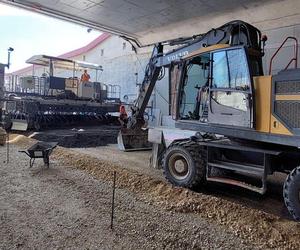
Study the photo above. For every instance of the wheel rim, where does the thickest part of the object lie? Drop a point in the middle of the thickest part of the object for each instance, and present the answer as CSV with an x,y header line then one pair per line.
x,y
178,166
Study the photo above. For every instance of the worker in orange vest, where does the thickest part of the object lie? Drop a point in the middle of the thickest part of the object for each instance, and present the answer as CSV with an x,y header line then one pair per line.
x,y
85,77
123,117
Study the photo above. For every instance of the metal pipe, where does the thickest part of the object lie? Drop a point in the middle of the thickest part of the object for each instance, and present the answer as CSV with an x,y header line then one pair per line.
x,y
51,68
7,147
113,202
10,49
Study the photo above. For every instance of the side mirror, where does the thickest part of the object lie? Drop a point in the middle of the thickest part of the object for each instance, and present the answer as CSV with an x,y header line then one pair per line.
x,y
264,39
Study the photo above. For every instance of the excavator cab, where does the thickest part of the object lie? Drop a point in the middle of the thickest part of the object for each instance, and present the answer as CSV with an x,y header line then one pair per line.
x,y
216,87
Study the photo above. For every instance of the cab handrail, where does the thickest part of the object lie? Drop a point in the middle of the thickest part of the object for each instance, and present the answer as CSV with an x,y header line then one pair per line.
x,y
295,58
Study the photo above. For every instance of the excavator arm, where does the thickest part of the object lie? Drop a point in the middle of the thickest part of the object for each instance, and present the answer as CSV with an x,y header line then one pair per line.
x,y
233,33
136,120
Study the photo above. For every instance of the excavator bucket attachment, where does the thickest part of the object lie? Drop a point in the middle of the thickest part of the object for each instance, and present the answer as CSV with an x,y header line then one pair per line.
x,y
133,140
19,125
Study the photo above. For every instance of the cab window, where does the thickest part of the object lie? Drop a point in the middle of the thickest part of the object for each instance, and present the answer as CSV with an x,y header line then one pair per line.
x,y
230,78
220,70
230,70
195,83
238,69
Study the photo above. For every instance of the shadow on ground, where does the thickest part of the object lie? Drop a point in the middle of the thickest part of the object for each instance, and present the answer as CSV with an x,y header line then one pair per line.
x,y
80,137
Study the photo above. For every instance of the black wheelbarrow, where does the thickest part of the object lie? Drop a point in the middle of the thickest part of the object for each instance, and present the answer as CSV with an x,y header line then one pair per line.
x,y
41,150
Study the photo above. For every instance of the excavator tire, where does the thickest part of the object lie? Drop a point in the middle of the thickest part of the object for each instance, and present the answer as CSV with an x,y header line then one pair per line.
x,y
184,164
291,193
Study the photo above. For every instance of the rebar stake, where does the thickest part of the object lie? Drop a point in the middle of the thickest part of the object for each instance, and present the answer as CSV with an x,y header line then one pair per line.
x,y
7,147
113,202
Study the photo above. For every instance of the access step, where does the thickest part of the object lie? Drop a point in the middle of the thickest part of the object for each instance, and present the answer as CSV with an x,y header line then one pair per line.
x,y
252,169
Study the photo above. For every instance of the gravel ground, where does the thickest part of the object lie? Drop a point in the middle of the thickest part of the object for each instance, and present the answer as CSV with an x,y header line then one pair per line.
x,y
65,207
136,161
240,213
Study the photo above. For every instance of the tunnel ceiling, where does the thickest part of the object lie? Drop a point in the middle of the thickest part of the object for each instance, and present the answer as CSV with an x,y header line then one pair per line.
x,y
156,20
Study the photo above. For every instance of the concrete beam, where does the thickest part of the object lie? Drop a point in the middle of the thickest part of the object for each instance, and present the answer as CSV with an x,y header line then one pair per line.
x,y
157,20
267,15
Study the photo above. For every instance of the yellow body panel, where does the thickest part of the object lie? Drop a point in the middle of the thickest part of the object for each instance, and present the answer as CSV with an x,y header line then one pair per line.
x,y
287,97
278,128
265,121
206,49
262,86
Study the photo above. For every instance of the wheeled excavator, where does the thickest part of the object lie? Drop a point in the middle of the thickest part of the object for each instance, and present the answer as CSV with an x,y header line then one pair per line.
x,y
231,123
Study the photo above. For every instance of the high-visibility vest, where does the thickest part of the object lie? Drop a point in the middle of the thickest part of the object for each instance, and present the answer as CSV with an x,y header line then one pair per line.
x,y
123,113
85,77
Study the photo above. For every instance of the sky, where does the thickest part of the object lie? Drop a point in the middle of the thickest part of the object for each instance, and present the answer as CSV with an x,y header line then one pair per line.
x,y
31,34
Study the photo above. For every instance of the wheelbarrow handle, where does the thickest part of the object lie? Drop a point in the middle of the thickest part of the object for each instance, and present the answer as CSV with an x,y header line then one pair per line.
x,y
25,152
51,148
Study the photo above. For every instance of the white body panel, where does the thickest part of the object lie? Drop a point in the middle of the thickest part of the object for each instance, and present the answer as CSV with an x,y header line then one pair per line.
x,y
168,135
86,90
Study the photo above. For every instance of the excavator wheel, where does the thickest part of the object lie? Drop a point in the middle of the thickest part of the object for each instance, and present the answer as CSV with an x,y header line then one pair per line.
x,y
184,164
291,193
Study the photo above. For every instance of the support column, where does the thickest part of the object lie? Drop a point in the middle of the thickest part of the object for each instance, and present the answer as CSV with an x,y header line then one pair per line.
x,y
2,131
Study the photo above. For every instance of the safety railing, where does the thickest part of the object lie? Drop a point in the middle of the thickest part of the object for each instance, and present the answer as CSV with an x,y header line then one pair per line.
x,y
37,86
295,58
114,91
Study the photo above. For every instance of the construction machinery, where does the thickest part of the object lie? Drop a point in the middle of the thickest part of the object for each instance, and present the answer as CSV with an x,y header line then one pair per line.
x,y
52,100
2,73
228,123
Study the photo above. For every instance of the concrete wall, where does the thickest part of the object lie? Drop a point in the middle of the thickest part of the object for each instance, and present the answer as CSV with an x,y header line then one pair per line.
x,y
198,17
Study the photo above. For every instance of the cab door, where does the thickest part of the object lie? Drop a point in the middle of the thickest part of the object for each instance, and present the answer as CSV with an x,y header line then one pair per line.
x,y
231,98
174,78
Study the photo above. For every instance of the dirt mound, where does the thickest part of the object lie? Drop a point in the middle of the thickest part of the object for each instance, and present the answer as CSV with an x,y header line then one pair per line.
x,y
21,140
263,229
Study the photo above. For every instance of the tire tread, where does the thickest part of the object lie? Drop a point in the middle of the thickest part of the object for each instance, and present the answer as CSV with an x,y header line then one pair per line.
x,y
198,155
291,179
